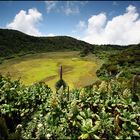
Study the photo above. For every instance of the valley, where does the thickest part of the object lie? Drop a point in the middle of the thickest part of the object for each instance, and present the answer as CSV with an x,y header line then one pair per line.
x,y
77,71
34,106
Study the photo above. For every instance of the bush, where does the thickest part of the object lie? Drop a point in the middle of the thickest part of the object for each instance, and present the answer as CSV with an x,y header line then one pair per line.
x,y
60,83
35,112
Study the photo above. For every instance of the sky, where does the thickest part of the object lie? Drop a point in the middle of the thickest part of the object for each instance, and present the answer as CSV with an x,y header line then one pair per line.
x,y
96,22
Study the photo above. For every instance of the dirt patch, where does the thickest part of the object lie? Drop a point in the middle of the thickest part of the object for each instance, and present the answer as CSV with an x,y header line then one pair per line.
x,y
66,69
48,78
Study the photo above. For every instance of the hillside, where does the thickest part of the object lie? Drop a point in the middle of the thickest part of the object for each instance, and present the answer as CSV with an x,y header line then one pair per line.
x,y
126,63
15,42
107,109
124,59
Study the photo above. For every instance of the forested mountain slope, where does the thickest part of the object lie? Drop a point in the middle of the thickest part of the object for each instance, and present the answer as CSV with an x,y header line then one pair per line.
x,y
15,42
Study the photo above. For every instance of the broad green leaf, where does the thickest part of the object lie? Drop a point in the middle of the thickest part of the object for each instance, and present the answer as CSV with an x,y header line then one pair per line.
x,y
79,117
84,136
136,133
135,124
96,137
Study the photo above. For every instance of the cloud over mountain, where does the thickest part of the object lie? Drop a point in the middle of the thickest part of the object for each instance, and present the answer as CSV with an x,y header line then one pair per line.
x,y
122,29
26,22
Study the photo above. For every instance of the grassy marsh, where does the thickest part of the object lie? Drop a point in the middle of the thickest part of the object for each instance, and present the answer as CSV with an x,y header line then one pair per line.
x,y
77,71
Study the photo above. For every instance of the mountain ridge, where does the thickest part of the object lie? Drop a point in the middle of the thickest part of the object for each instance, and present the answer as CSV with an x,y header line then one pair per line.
x,y
13,42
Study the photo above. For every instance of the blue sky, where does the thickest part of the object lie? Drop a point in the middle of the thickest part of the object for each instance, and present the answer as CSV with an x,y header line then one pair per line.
x,y
97,22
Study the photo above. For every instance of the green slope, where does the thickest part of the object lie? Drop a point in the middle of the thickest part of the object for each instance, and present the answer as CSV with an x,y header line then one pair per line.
x,y
15,42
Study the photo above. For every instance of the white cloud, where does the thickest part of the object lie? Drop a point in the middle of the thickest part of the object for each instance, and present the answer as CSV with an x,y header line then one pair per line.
x,y
96,22
123,29
51,35
131,9
79,28
81,25
26,22
71,8
66,7
50,5
70,11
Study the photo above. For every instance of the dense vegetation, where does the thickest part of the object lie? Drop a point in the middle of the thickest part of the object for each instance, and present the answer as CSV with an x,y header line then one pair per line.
x,y
124,63
108,111
13,43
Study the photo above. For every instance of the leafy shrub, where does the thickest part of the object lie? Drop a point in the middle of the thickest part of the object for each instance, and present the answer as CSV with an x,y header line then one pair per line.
x,y
60,83
106,112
